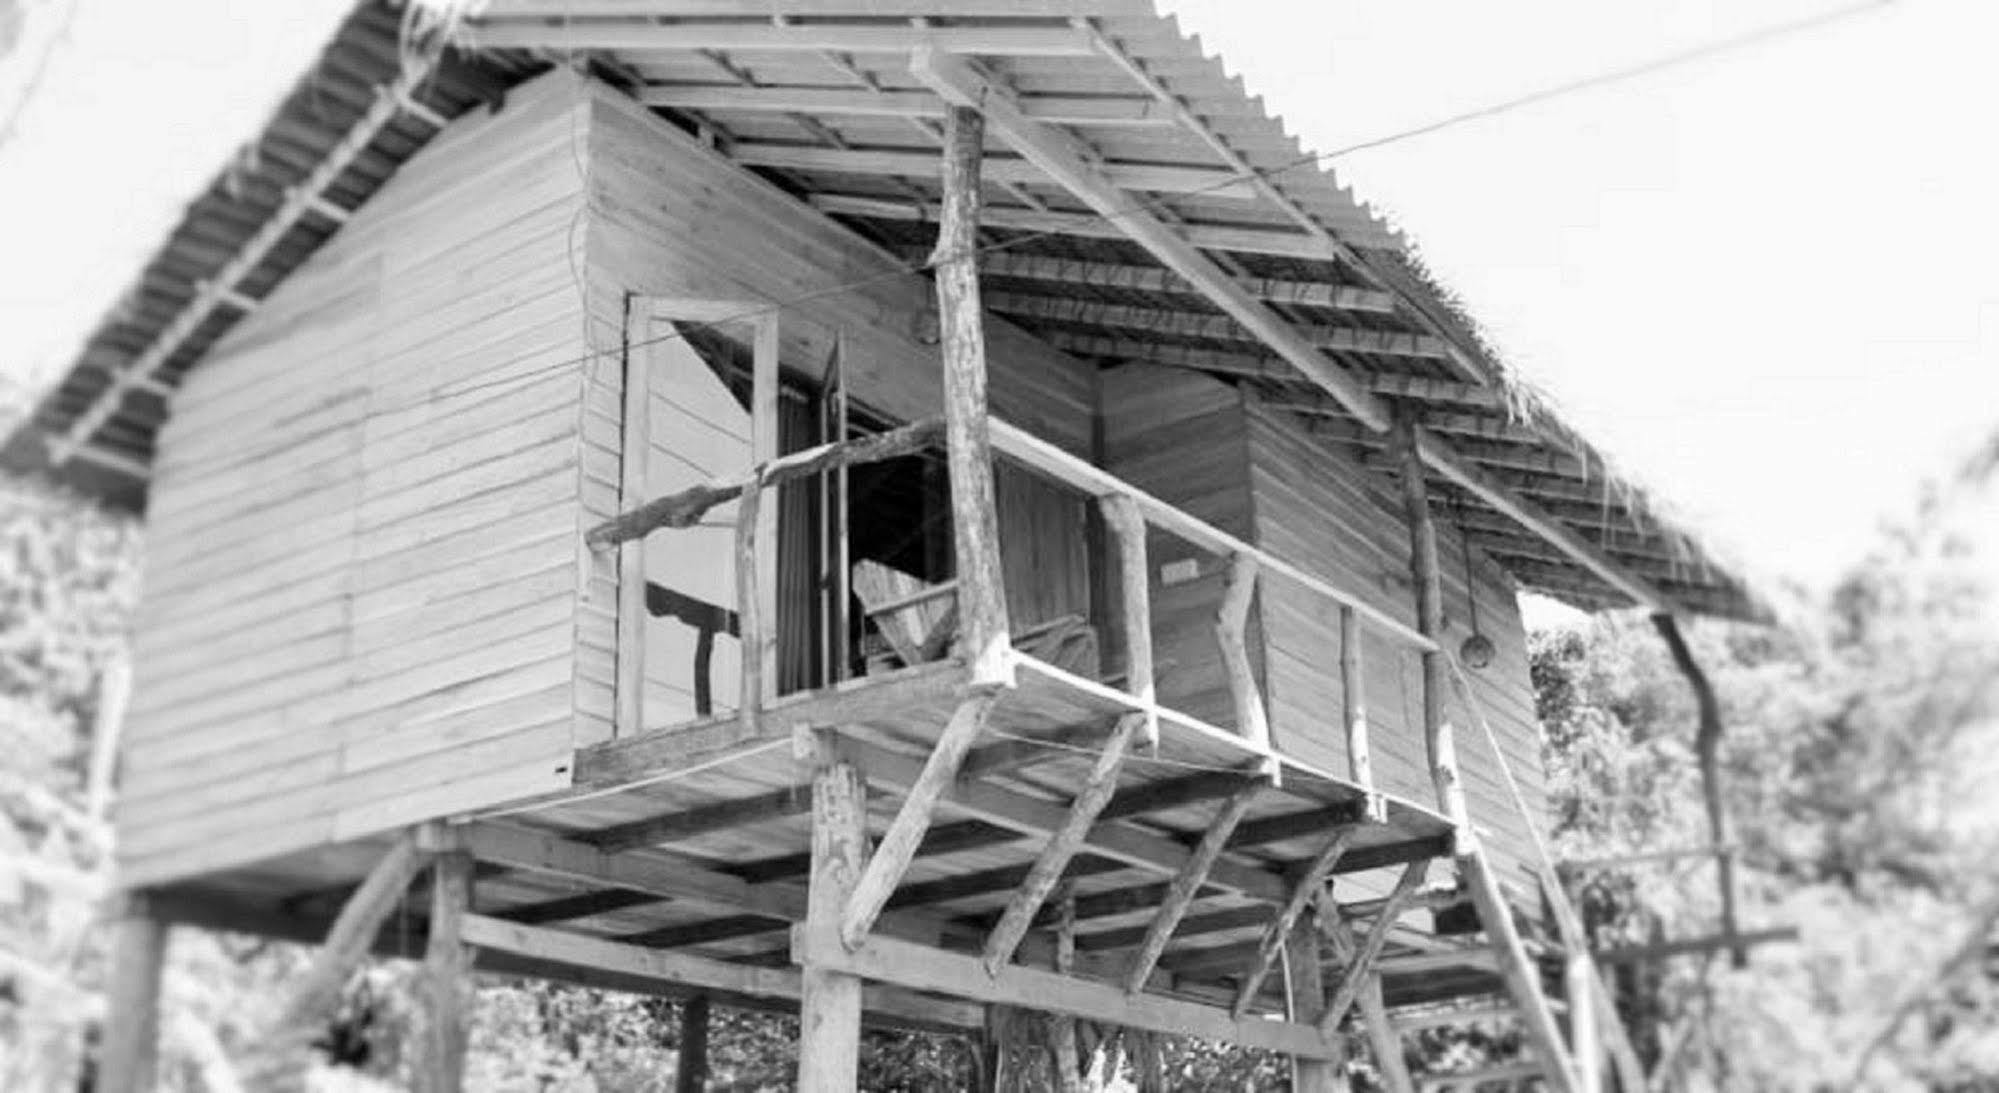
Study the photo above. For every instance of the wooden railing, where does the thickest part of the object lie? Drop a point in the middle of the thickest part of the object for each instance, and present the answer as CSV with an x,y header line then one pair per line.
x,y
1129,512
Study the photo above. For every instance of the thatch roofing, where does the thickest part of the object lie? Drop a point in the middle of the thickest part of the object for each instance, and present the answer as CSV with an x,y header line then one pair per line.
x,y
817,95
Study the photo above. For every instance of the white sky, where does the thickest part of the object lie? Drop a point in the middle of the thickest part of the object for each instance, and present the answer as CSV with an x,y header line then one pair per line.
x,y
1765,282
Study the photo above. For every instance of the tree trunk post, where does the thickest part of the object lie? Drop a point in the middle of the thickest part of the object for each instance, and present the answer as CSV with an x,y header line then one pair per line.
x,y
128,1057
447,969
1707,747
1428,574
1305,995
829,1016
691,1075
968,449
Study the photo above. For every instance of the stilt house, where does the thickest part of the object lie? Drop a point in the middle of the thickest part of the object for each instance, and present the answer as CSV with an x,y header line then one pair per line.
x,y
887,507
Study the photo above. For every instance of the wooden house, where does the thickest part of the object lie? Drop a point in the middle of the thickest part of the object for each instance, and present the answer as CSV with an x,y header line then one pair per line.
x,y
899,504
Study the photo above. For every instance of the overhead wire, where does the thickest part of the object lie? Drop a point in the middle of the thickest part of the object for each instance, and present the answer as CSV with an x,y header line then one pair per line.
x,y
1757,36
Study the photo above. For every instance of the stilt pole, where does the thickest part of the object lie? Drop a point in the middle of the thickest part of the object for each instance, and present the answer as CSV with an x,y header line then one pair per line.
x,y
448,976
968,448
1707,747
830,1011
128,1059
691,1074
1305,991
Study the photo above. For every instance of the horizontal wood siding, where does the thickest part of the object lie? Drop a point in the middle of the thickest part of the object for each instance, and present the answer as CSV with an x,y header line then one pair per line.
x,y
362,556
1314,503
1180,436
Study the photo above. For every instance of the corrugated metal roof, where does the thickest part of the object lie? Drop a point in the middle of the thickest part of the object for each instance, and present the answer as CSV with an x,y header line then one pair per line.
x,y
850,130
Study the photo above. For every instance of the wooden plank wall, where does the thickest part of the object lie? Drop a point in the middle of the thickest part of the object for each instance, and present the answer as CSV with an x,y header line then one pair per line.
x,y
1181,437
362,553
1312,502
672,219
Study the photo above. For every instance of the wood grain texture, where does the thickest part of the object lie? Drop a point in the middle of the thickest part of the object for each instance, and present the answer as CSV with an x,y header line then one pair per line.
x,y
361,533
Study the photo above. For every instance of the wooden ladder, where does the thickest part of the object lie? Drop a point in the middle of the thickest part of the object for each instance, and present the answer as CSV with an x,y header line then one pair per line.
x,y
1564,1056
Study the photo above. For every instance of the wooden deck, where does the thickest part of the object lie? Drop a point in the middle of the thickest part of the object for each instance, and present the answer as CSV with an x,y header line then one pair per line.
x,y
695,840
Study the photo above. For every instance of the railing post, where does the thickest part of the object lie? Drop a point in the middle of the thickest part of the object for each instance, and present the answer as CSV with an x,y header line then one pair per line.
x,y
1232,631
1127,527
750,622
1428,574
1353,705
982,609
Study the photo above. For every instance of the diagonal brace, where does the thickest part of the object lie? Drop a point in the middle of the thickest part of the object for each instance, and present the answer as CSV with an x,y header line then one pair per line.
x,y
1061,847
898,844
1186,886
1362,964
1274,935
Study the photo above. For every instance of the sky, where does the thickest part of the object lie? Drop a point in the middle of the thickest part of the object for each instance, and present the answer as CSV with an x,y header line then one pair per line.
x,y
1764,282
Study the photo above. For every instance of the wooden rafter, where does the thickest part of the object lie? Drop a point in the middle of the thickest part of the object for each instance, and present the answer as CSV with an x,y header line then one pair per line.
x,y
1054,109
643,36
1187,885
1441,458
1192,324
910,163
695,822
1263,366
1056,153
1276,290
1083,225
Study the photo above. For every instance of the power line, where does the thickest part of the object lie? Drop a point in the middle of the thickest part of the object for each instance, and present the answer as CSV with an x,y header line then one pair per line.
x,y
1679,58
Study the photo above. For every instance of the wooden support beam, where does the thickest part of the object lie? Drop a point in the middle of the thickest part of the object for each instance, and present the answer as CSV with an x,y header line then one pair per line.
x,y
830,1008
755,628
921,967
1303,894
690,1066
1353,714
1362,964
447,974
1159,178
1232,633
1384,1038
1441,458
277,1060
891,858
1057,154
707,819
1053,861
1187,884
983,628
1523,979
1194,324
686,507
1304,997
1263,365
684,972
128,1057
1707,750
1050,269
728,37
1125,112
1578,976
1062,1035
1035,817
1126,524
1084,225
1438,738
